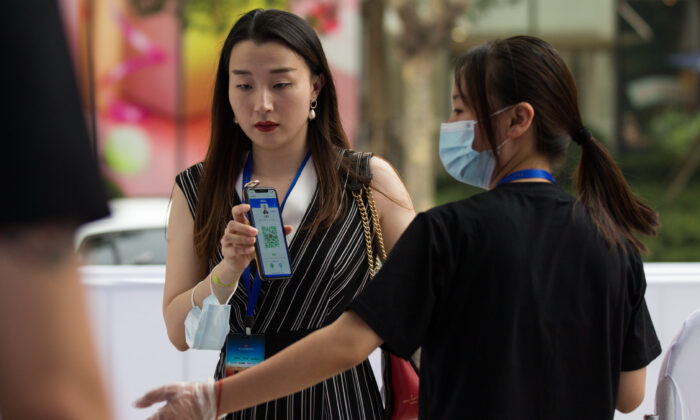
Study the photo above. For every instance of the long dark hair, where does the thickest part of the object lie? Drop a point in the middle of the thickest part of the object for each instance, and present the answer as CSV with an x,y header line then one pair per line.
x,y
229,145
527,69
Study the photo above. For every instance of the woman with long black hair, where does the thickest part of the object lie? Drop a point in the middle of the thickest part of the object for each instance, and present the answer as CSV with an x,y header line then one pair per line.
x,y
275,119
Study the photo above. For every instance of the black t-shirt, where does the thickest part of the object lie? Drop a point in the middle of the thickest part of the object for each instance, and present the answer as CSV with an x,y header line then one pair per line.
x,y
521,309
48,169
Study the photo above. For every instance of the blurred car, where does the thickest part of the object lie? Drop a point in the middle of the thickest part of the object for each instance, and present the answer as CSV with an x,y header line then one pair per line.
x,y
134,234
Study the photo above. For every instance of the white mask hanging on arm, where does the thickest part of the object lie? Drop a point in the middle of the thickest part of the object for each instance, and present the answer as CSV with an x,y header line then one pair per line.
x,y
206,328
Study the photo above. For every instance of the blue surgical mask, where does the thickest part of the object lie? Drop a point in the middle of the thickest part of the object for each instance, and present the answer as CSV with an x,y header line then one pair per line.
x,y
207,328
458,157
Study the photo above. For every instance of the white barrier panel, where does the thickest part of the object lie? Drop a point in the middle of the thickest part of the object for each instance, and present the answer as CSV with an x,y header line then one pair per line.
x,y
125,305
673,293
133,347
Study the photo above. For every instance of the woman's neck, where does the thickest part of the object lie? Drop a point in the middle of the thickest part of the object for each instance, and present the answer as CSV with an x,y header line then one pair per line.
x,y
532,161
278,163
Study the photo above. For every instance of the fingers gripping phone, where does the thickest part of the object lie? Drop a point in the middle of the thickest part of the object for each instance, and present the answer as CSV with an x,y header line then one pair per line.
x,y
271,253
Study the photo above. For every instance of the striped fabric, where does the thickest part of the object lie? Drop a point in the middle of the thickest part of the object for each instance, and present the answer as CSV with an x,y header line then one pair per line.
x,y
329,269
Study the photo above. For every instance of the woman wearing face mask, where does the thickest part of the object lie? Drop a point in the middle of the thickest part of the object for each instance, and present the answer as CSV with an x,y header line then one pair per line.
x,y
527,302
275,119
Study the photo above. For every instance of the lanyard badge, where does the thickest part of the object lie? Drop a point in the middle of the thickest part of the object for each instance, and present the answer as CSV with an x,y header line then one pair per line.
x,y
246,350
243,351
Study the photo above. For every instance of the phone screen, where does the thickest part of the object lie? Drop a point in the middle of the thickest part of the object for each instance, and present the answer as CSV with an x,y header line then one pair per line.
x,y
273,258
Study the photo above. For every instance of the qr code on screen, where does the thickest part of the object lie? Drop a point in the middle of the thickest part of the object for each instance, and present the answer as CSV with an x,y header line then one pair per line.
x,y
270,238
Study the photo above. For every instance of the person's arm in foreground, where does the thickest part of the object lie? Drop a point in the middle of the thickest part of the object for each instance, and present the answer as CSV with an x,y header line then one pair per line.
x,y
630,393
641,345
331,350
324,353
48,365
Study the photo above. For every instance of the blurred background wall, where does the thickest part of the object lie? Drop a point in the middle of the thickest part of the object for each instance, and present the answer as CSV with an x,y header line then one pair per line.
x,y
637,66
146,68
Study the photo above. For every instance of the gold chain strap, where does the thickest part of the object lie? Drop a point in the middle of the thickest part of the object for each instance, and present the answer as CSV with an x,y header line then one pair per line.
x,y
375,222
373,262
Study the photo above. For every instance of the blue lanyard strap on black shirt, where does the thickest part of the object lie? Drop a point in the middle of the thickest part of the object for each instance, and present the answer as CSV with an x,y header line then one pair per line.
x,y
252,283
527,173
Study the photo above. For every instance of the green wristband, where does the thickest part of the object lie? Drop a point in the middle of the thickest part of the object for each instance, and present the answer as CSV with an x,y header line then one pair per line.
x,y
216,280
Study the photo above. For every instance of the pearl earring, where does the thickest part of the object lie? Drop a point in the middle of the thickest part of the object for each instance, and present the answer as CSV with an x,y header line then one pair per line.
x,y
235,121
312,113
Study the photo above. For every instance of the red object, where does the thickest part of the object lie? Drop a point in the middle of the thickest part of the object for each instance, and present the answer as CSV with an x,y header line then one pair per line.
x,y
402,394
324,17
218,399
266,126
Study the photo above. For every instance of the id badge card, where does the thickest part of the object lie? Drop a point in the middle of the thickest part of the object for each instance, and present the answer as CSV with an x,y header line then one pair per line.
x,y
243,351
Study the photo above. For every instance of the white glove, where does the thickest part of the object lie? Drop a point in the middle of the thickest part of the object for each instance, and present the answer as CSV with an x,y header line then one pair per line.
x,y
184,401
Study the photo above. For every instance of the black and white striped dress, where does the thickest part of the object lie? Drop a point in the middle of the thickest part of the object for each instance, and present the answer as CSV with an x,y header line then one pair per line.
x,y
329,269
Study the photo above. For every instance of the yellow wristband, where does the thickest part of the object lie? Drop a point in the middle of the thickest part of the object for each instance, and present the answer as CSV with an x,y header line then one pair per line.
x,y
216,280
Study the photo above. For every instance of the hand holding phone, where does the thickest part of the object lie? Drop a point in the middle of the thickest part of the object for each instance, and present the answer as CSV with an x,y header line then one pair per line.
x,y
237,242
271,253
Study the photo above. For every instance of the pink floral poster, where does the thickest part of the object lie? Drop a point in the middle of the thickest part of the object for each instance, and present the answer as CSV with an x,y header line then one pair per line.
x,y
146,70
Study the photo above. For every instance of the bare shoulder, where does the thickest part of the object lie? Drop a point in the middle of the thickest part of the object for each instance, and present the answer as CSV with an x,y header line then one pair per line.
x,y
179,208
378,164
180,233
386,180
392,199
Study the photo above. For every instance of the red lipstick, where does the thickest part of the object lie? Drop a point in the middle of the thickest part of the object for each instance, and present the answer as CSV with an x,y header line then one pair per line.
x,y
266,126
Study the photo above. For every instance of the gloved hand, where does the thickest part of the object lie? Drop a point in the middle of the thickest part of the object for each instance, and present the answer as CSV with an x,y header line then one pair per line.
x,y
184,401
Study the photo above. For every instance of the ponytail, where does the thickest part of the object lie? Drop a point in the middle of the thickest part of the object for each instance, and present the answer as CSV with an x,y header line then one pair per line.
x,y
617,213
528,69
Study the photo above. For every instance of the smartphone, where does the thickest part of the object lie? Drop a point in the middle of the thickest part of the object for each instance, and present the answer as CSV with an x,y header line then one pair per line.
x,y
271,253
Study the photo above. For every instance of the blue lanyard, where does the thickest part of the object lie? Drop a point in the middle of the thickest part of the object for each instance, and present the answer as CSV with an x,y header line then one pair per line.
x,y
527,173
254,288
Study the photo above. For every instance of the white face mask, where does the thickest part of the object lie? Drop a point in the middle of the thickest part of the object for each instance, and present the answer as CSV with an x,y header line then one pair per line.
x,y
458,157
207,328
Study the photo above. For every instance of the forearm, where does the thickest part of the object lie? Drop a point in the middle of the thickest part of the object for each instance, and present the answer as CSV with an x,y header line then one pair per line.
x,y
175,311
46,354
323,354
631,390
